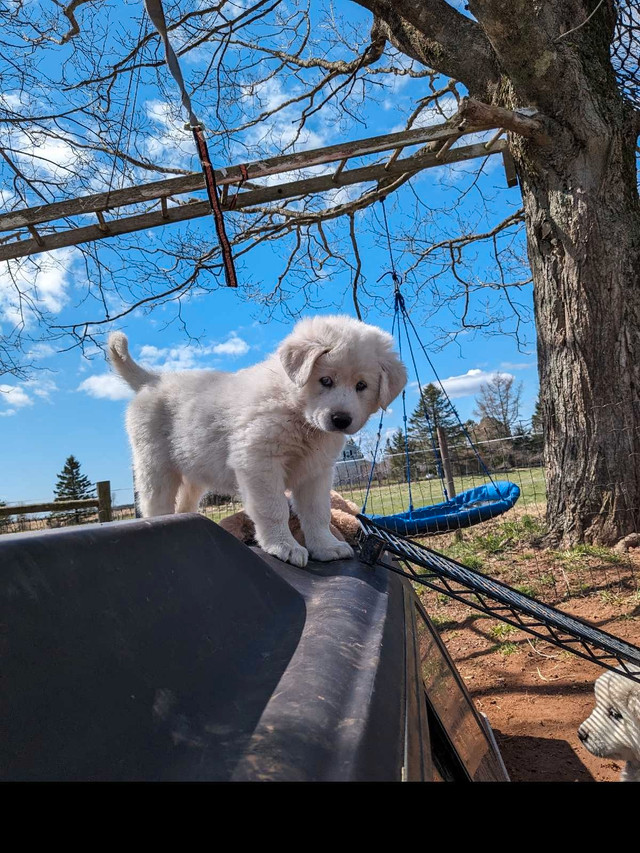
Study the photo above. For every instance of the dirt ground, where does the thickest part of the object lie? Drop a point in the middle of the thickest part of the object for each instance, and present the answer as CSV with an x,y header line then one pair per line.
x,y
534,693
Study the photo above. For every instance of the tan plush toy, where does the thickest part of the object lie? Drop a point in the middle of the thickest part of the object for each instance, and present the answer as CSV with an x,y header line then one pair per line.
x,y
344,524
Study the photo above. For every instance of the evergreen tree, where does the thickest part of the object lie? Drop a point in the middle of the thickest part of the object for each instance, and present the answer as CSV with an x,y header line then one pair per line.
x,y
441,414
536,419
72,485
5,521
395,453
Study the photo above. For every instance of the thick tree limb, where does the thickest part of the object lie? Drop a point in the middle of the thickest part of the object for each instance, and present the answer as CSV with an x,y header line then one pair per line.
x,y
522,35
435,34
478,114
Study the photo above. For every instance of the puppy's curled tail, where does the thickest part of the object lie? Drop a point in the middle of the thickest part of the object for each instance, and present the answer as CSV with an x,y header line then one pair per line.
x,y
121,360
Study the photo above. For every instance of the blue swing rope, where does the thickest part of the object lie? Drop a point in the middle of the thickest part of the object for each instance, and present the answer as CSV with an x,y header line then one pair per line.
x,y
378,438
453,408
401,313
434,445
398,303
401,316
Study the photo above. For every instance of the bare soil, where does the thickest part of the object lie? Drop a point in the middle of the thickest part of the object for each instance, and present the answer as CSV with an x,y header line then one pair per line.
x,y
534,693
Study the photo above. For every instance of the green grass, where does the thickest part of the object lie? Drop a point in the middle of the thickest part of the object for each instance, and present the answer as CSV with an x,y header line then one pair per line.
x,y
573,558
501,630
473,550
507,649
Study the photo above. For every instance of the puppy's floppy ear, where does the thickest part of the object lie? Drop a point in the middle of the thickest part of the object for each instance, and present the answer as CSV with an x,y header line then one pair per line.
x,y
393,378
298,357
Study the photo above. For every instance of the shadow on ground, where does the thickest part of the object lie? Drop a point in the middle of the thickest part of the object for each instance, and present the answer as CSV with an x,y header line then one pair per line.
x,y
536,759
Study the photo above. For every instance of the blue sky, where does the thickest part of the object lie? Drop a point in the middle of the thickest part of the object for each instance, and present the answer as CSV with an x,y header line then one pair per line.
x,y
72,405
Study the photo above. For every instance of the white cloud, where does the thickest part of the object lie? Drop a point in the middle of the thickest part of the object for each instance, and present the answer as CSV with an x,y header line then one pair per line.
x,y
447,106
52,156
42,388
108,386
186,356
45,282
170,143
14,396
279,132
468,383
41,351
105,386
234,346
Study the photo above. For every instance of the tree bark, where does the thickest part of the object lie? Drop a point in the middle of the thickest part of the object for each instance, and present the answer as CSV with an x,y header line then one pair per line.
x,y
583,235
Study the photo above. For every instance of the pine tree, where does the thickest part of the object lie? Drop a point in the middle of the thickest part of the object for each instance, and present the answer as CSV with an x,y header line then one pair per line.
x,y
72,485
536,419
396,455
5,520
441,413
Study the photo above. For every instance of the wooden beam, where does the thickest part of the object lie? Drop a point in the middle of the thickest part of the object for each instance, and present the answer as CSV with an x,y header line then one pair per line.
x,y
509,168
228,175
52,506
250,198
103,489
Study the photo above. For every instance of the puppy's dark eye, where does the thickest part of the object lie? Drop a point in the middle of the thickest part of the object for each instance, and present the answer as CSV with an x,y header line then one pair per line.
x,y
361,386
327,381
614,714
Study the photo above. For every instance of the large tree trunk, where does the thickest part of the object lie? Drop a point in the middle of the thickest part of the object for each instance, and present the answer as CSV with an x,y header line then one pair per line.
x,y
583,232
583,235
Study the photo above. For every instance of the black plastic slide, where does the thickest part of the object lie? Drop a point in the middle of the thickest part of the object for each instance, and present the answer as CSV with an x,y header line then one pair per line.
x,y
164,649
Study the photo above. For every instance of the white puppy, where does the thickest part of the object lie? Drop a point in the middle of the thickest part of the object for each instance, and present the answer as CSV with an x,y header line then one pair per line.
x,y
613,729
278,425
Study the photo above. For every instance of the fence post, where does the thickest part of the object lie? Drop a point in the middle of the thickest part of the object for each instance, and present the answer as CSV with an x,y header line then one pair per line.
x,y
104,501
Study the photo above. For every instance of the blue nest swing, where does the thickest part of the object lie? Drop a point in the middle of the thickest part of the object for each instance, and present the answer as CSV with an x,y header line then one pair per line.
x,y
465,509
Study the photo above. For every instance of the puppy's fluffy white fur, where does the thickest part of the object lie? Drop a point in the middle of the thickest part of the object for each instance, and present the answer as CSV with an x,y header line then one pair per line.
x,y
613,729
278,425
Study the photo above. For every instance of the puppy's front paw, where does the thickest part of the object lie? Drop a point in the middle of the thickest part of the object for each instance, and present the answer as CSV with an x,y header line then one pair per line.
x,y
289,553
335,550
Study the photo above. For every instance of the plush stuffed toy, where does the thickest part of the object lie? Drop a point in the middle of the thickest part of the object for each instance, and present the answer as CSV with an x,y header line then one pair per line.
x,y
344,524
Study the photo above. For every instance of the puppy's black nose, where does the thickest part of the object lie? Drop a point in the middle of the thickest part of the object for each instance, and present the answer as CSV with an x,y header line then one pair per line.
x,y
341,420
584,736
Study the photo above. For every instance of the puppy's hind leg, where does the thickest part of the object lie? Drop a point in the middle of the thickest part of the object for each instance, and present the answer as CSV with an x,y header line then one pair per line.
x,y
156,491
188,497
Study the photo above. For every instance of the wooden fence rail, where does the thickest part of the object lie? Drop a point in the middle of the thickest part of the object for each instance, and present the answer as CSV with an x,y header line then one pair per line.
x,y
102,501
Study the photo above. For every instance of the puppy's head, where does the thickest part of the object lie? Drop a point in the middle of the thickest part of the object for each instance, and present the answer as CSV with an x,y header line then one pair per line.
x,y
343,369
613,729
